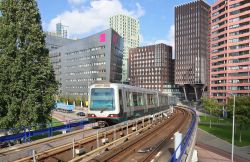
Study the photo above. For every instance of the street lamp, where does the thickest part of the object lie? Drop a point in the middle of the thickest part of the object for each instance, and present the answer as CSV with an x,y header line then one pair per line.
x,y
233,131
232,156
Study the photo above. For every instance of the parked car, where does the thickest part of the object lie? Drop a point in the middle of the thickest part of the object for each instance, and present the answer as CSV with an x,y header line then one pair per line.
x,y
80,113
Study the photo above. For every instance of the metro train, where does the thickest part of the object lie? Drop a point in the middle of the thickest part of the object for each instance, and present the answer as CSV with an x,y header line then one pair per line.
x,y
111,103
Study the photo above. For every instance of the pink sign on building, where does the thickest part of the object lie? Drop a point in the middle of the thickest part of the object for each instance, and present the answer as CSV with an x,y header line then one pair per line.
x,y
102,37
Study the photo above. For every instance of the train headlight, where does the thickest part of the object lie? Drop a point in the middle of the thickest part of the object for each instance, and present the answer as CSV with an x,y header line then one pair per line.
x,y
91,115
113,115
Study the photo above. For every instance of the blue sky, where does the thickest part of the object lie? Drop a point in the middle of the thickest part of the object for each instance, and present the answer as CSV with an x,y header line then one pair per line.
x,y
86,17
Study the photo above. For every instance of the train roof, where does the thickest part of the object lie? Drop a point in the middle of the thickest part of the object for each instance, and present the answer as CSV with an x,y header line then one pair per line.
x,y
105,84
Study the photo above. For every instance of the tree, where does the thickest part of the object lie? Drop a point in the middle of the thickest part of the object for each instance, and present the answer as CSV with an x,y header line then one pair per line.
x,y
27,80
210,105
242,112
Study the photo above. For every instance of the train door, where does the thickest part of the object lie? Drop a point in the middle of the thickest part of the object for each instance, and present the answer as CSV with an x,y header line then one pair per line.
x,y
121,103
131,102
146,103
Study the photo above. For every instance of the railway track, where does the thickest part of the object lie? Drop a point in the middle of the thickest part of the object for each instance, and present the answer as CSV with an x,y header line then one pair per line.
x,y
91,145
64,152
23,150
151,142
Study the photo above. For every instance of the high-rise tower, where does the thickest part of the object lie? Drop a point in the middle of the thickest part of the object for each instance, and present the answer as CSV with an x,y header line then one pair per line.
x,y
191,47
128,28
230,49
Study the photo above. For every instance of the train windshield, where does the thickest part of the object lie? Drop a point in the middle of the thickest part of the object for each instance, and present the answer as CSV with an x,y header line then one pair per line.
x,y
102,99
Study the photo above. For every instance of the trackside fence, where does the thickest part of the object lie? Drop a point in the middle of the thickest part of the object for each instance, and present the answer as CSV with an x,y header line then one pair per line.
x,y
187,143
27,132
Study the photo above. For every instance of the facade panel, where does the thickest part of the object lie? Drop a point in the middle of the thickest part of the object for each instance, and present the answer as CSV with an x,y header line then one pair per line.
x,y
151,66
191,42
89,60
230,50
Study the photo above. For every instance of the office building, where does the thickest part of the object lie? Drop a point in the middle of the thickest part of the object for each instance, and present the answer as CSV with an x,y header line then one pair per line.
x,y
128,28
89,60
230,50
151,66
54,42
192,48
61,30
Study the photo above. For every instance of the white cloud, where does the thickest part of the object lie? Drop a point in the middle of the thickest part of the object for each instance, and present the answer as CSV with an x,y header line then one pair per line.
x,y
94,18
170,39
76,2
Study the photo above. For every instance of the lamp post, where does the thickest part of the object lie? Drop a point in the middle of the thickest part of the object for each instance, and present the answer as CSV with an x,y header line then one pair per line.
x,y
232,157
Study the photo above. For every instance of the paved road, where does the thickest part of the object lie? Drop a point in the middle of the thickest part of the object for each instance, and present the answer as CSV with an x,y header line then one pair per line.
x,y
64,116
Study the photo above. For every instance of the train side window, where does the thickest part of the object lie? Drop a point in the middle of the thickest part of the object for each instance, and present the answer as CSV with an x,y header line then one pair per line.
x,y
135,99
150,99
129,99
155,99
140,99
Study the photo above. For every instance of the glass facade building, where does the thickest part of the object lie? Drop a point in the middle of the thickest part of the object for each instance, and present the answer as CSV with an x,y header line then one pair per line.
x,y
128,28
89,60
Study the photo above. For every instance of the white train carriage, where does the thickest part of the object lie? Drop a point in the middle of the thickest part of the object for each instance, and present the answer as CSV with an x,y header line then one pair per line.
x,y
112,103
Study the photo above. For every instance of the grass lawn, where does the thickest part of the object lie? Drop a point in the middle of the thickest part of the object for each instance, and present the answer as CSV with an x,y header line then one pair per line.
x,y
225,132
215,119
56,122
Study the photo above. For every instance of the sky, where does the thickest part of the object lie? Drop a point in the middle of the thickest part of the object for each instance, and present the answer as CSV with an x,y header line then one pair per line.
x,y
87,17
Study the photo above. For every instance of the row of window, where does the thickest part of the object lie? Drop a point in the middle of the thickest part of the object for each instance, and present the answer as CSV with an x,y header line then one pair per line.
x,y
238,46
239,39
85,79
233,88
224,94
240,53
85,72
86,65
85,50
86,57
240,11
239,32
230,74
76,94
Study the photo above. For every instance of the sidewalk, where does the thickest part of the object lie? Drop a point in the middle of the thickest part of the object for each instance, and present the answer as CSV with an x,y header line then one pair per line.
x,y
208,156
211,140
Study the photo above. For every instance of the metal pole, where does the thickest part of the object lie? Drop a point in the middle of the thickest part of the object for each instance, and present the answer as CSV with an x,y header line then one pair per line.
x,y
73,152
136,125
127,128
34,155
143,123
97,139
114,133
232,158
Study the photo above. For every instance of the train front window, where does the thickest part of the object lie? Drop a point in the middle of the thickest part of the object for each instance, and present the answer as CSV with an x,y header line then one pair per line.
x,y
102,99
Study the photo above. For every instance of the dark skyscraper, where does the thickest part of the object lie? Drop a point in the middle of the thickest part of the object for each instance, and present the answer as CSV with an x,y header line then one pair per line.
x,y
191,47
151,66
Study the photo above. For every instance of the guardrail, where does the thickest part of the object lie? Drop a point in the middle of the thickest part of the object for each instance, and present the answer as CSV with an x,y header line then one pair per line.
x,y
27,133
185,141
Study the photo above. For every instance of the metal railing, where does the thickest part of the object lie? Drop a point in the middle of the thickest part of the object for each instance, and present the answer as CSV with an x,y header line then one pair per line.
x,y
27,132
185,141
